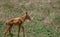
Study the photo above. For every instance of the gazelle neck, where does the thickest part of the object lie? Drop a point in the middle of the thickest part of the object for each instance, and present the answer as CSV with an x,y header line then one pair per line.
x,y
23,17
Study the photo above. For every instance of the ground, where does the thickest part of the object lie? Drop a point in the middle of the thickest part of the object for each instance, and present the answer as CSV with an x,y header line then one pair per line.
x,y
45,14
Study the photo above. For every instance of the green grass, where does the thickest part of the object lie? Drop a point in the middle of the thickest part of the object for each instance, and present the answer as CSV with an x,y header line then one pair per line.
x,y
40,10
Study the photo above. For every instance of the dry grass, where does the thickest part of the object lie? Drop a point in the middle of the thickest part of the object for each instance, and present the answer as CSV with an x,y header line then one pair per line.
x,y
46,21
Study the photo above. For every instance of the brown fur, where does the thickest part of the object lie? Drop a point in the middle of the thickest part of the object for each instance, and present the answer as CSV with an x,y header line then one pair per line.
x,y
16,21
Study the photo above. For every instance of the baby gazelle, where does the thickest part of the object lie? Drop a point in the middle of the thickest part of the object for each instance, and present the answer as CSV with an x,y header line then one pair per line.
x,y
16,21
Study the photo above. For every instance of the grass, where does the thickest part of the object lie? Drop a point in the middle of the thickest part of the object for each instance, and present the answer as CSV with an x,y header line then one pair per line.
x,y
42,11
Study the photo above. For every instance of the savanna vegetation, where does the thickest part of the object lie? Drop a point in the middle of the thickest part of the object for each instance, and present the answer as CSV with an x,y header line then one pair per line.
x,y
45,13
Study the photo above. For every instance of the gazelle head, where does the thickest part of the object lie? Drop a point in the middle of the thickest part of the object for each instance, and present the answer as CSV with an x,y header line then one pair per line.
x,y
27,16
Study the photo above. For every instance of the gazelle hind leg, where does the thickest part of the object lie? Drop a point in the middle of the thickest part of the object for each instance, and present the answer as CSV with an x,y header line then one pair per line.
x,y
10,31
5,32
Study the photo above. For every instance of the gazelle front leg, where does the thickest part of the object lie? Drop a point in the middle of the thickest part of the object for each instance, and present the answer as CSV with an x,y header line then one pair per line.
x,y
18,31
23,31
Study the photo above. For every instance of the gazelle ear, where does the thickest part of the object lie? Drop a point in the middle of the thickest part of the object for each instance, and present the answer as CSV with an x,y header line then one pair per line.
x,y
26,12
